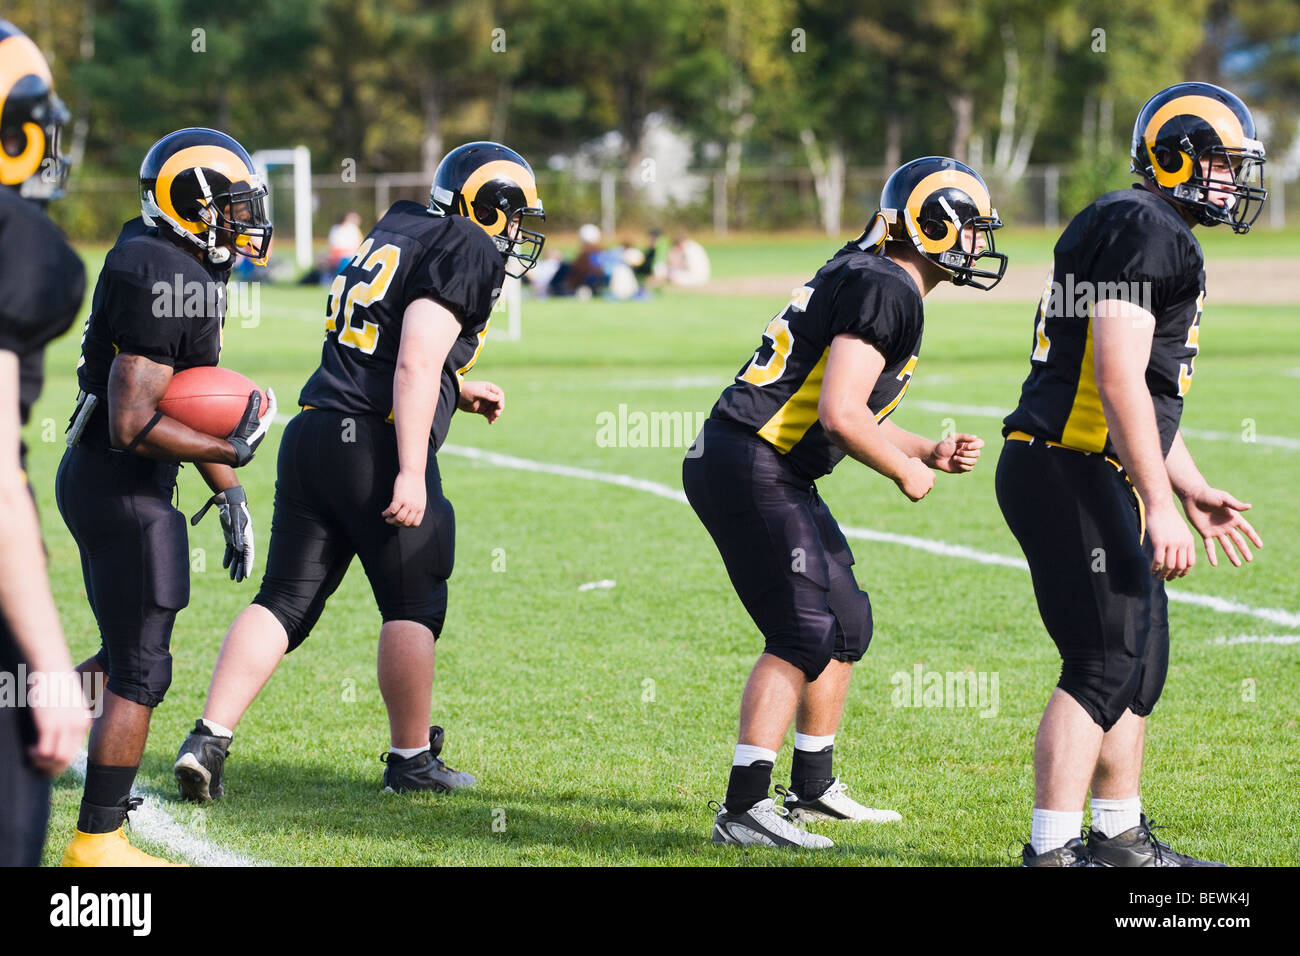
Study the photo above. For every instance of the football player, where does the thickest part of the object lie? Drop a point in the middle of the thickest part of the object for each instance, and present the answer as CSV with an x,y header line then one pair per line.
x,y
42,282
358,470
833,364
202,203
1094,460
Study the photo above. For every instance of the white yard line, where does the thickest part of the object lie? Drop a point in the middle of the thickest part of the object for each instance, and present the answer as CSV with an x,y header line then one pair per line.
x,y
991,411
1258,639
156,825
1221,605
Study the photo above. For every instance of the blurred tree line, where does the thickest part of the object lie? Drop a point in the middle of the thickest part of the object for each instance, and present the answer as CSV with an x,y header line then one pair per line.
x,y
820,84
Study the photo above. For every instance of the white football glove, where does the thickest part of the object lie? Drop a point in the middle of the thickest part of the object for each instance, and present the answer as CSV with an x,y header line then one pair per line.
x,y
236,526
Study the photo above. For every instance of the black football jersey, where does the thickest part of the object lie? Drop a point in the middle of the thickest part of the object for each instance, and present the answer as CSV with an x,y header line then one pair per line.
x,y
155,300
410,254
42,282
1130,245
777,391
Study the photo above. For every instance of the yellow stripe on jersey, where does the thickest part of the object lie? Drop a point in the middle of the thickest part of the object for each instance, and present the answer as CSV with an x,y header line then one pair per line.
x,y
905,376
1085,429
793,419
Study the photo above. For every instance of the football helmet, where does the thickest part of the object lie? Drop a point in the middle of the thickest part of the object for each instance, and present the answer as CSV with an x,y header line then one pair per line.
x,y
1186,123
31,117
493,186
201,185
941,207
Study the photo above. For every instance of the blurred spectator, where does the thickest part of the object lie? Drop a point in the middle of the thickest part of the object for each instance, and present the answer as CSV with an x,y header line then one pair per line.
x,y
585,275
688,263
344,238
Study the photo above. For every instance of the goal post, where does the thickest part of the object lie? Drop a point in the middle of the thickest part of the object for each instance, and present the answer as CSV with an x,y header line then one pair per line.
x,y
299,158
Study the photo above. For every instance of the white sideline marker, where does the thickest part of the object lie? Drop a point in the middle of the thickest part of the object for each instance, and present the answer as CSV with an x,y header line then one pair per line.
x,y
606,583
1258,639
1221,605
158,826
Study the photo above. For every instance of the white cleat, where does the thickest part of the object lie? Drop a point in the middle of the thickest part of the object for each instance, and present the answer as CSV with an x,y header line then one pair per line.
x,y
834,804
763,824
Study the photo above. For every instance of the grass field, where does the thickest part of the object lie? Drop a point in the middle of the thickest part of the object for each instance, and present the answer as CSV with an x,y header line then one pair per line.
x,y
600,722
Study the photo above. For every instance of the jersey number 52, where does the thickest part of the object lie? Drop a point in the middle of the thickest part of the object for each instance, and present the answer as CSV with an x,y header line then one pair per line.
x,y
362,286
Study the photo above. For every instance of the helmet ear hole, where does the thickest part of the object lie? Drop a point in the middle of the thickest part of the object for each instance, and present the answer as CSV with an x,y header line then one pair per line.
x,y
485,214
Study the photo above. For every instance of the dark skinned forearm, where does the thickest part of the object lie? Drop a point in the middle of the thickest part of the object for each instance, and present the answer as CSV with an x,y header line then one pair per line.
x,y
135,387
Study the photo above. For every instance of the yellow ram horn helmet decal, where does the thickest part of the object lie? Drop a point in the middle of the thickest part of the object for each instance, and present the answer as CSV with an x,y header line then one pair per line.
x,y
499,169
20,57
209,157
1218,115
944,179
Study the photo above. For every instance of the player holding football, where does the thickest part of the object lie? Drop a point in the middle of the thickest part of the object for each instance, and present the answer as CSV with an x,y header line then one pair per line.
x,y
1094,459
833,365
358,470
42,282
202,203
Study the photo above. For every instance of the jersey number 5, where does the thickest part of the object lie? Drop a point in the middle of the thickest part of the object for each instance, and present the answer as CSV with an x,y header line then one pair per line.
x,y
379,267
764,371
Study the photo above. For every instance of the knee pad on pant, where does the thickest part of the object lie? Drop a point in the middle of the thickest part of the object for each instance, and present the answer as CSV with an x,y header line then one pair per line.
x,y
855,627
1104,700
809,654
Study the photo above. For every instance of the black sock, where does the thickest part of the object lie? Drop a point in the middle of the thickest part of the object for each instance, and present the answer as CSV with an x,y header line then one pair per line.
x,y
748,785
103,803
810,773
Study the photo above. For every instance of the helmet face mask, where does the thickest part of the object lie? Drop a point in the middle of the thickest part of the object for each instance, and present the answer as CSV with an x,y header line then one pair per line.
x,y
1194,143
942,208
31,119
493,187
201,184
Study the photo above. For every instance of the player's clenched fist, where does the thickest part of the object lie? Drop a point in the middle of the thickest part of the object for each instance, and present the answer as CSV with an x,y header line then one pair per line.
x,y
482,398
409,499
915,479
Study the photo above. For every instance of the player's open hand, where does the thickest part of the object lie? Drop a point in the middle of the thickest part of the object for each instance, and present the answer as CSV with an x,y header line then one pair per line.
x,y
1216,515
482,398
956,453
409,499
62,720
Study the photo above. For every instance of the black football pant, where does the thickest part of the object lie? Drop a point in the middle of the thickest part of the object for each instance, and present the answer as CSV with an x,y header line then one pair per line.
x,y
334,479
1079,524
24,793
784,552
134,559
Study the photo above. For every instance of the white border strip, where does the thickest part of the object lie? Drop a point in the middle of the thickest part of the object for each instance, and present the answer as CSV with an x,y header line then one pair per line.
x,y
1221,605
156,825
990,411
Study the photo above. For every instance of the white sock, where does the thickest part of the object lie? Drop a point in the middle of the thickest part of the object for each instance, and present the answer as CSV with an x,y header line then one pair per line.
x,y
1053,829
748,754
1113,817
810,744
216,730
406,753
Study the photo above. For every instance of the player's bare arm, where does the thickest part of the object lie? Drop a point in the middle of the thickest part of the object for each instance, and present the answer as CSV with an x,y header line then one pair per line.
x,y
26,601
428,331
1122,335
851,372
482,398
135,387
954,454
1214,513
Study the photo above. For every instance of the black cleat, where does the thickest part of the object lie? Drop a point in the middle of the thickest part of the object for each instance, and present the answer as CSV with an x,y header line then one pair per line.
x,y
424,771
198,765
1073,853
1137,846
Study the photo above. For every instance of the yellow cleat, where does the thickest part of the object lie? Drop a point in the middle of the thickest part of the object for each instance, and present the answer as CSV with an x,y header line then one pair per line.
x,y
108,849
